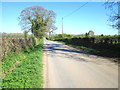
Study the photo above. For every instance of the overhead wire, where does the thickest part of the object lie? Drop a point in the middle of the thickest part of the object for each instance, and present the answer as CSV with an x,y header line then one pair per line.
x,y
76,10
72,12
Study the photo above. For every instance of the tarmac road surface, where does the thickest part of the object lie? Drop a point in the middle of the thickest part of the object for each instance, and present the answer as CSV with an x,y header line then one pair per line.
x,y
72,68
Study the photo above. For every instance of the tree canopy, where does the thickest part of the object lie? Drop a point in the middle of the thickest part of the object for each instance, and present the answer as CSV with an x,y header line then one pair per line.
x,y
37,20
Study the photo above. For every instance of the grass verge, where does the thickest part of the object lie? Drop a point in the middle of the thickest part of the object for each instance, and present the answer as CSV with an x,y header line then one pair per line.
x,y
101,52
80,47
23,70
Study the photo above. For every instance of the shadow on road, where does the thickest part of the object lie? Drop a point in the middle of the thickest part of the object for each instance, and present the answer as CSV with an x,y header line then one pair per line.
x,y
61,50
64,51
52,47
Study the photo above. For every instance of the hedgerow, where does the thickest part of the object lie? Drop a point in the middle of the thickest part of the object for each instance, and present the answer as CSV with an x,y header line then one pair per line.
x,y
103,45
23,69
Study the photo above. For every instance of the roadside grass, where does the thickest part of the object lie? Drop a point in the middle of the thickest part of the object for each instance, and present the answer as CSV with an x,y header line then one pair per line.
x,y
24,69
100,52
80,47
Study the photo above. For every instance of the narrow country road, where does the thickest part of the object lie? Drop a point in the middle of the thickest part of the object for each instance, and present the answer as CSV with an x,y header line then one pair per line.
x,y
71,68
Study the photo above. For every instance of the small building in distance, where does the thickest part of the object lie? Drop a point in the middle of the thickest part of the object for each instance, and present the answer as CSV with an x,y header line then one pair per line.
x,y
91,33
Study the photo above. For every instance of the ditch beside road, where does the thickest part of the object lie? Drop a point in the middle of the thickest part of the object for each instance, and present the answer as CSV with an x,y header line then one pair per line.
x,y
68,67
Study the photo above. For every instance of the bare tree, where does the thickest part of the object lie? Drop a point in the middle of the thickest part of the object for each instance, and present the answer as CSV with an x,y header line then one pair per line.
x,y
114,17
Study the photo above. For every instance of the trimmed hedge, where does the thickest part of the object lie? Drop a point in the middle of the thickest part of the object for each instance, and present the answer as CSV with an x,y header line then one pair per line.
x,y
106,45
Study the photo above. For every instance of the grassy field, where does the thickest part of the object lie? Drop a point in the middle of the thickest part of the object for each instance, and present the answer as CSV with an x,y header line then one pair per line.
x,y
23,69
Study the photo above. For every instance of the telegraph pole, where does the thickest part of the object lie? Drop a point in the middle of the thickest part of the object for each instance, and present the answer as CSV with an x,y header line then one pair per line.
x,y
119,20
62,28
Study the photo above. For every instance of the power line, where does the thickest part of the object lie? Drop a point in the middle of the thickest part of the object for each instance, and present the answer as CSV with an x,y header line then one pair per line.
x,y
69,15
72,12
75,10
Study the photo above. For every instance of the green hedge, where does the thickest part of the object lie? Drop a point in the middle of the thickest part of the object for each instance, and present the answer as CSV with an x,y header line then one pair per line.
x,y
24,69
105,45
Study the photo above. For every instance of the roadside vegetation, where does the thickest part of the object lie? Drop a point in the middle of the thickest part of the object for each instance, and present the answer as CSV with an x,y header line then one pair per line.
x,y
22,53
23,69
22,65
107,46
